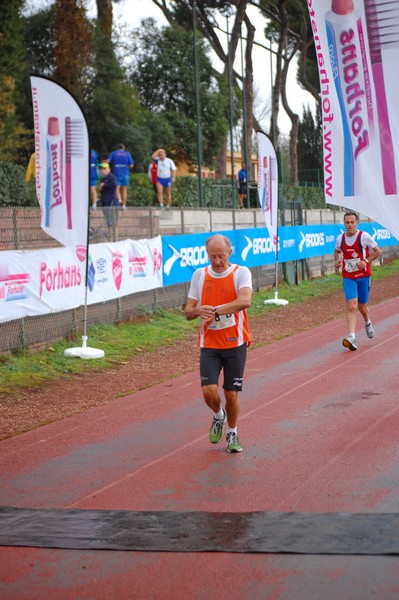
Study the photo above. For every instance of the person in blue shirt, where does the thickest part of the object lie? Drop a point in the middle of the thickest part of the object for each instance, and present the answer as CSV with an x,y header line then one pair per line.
x,y
93,178
242,186
121,164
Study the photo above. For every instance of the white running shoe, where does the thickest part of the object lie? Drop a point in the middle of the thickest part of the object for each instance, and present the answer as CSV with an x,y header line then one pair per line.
x,y
369,329
349,342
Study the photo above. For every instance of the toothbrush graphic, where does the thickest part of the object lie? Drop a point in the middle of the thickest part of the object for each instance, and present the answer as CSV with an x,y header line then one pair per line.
x,y
73,147
273,177
267,198
382,30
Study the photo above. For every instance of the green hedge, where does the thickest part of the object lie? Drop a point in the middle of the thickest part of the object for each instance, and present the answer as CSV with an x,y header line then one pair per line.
x,y
309,197
14,191
216,193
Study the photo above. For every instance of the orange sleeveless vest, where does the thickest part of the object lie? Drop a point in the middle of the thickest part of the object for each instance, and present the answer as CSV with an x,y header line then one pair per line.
x,y
217,291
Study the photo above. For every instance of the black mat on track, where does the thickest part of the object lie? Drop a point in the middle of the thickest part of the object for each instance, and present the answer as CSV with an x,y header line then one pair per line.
x,y
260,532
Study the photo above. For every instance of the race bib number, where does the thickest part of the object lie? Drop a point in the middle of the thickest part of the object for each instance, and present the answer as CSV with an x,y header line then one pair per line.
x,y
351,265
222,322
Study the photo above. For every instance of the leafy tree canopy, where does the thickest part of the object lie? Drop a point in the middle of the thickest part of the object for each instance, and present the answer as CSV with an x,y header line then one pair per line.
x,y
164,75
13,134
310,146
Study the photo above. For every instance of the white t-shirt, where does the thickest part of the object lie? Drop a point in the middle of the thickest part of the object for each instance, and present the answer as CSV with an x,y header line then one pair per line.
x,y
366,240
242,278
165,168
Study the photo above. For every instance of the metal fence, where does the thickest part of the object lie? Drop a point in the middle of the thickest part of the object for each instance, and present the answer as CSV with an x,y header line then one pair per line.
x,y
20,230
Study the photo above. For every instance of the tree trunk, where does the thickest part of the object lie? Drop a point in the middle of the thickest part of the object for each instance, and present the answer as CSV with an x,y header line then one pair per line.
x,y
206,25
220,171
104,17
305,44
294,121
72,50
294,150
249,94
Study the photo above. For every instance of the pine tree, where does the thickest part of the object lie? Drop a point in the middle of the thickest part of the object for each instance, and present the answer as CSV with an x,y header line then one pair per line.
x,y
72,47
12,132
310,147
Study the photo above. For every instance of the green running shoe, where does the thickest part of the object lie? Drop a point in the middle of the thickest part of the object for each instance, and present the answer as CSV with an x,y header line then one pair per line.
x,y
233,443
216,430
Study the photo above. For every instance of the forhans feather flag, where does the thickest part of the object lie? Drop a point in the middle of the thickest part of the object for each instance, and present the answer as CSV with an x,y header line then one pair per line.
x,y
357,49
268,199
62,153
268,185
62,164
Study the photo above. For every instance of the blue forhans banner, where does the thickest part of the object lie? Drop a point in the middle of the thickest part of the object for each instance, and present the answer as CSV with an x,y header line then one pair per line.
x,y
183,254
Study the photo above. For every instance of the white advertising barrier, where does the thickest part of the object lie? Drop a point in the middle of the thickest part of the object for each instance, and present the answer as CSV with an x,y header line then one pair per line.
x,y
45,281
124,268
357,50
40,282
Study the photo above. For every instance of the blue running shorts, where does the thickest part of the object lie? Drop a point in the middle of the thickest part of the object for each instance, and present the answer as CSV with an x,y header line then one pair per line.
x,y
122,180
357,288
165,181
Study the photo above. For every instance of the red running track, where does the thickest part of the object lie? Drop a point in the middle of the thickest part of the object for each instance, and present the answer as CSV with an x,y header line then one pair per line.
x,y
319,426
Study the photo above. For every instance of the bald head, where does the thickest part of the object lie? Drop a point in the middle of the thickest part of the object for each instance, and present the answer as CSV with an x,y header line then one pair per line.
x,y
219,250
218,240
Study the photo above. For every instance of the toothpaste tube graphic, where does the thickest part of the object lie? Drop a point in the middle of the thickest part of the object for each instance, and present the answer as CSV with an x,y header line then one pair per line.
x,y
345,37
54,169
138,265
117,269
13,286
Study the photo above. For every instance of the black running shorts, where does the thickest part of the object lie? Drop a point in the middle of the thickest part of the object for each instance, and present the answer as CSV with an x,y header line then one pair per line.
x,y
231,360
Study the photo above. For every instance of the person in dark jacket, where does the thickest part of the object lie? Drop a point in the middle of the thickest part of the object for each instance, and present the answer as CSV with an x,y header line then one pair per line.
x,y
109,202
242,186
93,178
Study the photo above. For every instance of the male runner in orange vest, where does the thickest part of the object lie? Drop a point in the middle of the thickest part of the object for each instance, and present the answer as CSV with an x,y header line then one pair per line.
x,y
219,295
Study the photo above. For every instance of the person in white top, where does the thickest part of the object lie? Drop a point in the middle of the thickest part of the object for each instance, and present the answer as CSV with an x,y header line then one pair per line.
x,y
219,295
166,175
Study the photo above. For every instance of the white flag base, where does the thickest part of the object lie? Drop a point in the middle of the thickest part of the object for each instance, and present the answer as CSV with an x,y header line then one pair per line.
x,y
276,300
84,351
